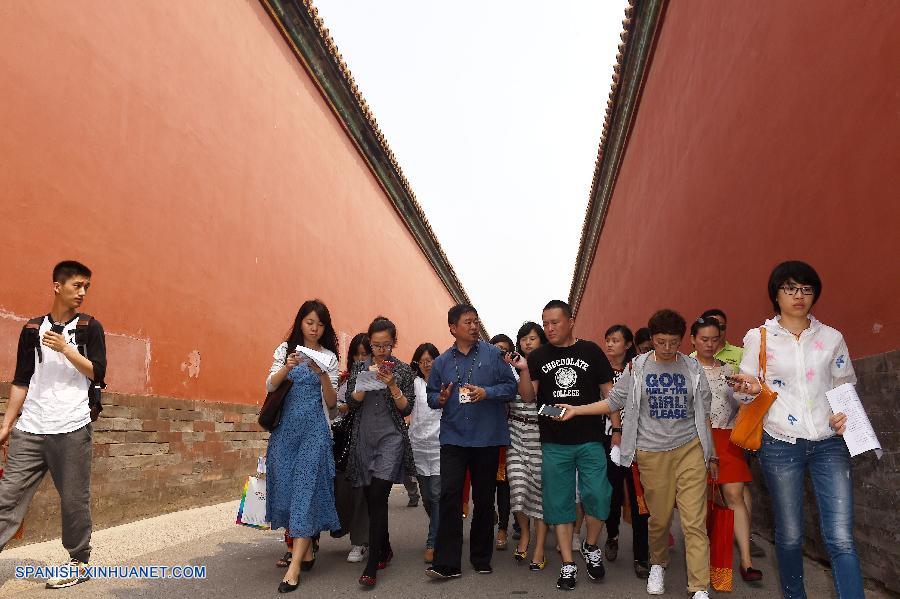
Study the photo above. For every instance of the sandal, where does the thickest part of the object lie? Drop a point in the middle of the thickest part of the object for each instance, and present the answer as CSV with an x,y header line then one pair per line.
x,y
285,561
537,566
502,541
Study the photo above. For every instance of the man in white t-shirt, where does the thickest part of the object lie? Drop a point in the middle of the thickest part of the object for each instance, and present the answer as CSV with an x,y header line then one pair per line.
x,y
54,397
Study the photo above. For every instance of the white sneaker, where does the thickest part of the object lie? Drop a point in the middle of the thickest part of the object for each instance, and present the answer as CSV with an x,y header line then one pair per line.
x,y
357,553
70,574
576,542
700,595
656,583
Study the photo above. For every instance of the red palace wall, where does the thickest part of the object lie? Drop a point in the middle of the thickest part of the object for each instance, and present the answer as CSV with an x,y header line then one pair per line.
x,y
766,132
184,154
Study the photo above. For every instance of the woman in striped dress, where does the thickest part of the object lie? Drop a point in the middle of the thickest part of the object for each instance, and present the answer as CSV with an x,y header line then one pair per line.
x,y
523,461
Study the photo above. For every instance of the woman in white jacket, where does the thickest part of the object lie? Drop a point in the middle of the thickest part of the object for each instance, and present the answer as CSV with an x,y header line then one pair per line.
x,y
804,359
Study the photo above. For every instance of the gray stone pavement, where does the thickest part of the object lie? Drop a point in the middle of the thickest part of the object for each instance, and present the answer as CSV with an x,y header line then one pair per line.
x,y
240,561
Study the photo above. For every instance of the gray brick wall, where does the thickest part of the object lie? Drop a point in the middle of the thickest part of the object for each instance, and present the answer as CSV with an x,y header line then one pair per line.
x,y
876,483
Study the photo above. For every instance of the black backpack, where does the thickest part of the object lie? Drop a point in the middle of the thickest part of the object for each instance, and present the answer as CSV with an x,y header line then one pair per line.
x,y
81,342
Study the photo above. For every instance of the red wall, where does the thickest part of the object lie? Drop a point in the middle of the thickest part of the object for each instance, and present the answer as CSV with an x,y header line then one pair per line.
x,y
183,153
766,132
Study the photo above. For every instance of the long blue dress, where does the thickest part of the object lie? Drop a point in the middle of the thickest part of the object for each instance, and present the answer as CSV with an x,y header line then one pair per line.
x,y
300,463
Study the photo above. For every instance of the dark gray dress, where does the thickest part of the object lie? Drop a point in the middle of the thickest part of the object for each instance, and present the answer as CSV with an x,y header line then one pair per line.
x,y
381,445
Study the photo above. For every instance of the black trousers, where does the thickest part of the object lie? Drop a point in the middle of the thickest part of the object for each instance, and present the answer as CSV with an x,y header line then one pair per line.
x,y
616,476
379,540
640,541
502,505
482,463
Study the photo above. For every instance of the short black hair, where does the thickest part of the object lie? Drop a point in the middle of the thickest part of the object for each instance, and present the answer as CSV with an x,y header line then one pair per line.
x,y
667,322
705,321
500,337
425,348
714,312
642,335
67,269
526,328
553,304
381,323
800,272
457,311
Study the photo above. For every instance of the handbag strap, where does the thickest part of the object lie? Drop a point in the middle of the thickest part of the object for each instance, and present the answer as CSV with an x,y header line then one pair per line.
x,y
762,354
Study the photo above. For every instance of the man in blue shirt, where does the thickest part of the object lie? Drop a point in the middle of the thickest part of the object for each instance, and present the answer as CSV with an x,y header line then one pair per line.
x,y
471,383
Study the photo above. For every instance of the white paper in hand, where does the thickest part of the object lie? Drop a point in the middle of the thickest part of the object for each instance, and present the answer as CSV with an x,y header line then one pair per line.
x,y
324,361
615,454
859,435
368,381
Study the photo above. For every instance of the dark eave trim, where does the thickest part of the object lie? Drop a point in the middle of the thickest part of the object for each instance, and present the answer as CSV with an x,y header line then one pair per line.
x,y
309,39
628,83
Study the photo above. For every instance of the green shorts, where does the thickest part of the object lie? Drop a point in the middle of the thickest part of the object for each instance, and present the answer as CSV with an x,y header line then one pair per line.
x,y
560,462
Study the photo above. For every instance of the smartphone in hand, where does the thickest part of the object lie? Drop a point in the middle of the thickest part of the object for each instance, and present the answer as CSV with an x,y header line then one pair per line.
x,y
551,411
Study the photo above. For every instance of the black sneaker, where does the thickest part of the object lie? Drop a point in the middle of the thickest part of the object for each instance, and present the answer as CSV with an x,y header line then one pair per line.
x,y
642,569
442,573
568,576
593,558
483,569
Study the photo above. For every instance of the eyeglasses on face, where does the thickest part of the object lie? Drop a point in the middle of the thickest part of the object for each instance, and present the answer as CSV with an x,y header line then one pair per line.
x,y
667,343
383,346
793,289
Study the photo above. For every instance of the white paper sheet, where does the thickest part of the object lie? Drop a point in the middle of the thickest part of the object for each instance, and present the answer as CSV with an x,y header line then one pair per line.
x,y
323,361
368,381
859,435
615,454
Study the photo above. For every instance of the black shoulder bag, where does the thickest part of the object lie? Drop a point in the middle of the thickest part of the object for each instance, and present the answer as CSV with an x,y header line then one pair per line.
x,y
270,413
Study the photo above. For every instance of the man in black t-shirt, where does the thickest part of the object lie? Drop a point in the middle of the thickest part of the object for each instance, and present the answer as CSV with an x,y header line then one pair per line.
x,y
575,372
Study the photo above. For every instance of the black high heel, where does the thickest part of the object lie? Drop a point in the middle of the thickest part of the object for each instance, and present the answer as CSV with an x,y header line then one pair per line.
x,y
286,587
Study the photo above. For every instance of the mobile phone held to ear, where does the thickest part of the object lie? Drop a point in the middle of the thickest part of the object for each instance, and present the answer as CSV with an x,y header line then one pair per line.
x,y
551,411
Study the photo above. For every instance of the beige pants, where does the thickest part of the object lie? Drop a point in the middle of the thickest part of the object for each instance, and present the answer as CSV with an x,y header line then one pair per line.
x,y
670,477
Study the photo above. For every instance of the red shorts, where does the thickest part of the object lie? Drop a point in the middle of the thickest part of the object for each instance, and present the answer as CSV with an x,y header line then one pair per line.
x,y
733,466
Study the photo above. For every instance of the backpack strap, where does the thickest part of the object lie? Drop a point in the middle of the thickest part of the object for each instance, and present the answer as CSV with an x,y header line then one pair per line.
x,y
81,329
33,327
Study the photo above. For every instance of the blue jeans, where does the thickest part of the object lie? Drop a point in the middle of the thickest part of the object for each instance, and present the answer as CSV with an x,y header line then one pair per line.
x,y
430,489
828,462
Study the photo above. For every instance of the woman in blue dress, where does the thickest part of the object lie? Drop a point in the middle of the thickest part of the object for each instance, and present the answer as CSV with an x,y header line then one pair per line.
x,y
299,459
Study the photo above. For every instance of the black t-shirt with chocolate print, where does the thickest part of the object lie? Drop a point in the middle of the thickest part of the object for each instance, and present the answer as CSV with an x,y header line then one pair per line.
x,y
570,375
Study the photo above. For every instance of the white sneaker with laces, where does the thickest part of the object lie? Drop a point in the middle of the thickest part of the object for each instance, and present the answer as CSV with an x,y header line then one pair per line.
x,y
71,573
656,583
357,553
700,595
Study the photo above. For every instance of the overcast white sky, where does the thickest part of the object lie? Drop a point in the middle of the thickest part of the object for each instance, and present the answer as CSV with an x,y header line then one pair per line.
x,y
494,110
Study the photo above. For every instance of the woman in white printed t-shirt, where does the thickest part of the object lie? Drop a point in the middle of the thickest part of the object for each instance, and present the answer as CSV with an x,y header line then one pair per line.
x,y
424,436
804,360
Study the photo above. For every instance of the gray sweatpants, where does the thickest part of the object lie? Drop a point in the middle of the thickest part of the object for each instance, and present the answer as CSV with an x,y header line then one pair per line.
x,y
68,458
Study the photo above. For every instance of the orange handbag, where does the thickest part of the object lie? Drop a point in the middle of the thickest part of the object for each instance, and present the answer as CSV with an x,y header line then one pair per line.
x,y
748,427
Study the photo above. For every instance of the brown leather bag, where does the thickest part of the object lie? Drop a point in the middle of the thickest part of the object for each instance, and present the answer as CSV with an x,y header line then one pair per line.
x,y
270,413
748,427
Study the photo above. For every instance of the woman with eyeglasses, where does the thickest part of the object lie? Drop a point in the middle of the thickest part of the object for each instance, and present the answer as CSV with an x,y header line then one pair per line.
x,y
380,452
734,473
523,461
666,431
425,438
805,359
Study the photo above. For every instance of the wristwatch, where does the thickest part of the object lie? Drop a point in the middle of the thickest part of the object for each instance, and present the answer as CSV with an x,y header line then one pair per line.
x,y
617,429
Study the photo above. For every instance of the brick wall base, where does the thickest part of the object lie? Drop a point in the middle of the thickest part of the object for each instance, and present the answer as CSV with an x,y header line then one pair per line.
x,y
154,455
876,483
